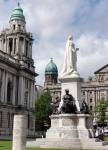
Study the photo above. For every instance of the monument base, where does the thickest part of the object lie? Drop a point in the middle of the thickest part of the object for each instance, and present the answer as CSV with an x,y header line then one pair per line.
x,y
74,86
66,131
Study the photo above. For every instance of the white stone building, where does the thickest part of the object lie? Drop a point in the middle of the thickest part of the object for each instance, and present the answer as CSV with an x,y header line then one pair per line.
x,y
17,73
96,89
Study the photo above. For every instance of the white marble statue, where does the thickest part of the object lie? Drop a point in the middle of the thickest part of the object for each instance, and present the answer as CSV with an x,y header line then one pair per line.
x,y
70,59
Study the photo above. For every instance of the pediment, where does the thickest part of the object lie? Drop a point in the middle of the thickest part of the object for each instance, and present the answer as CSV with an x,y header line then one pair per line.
x,y
103,69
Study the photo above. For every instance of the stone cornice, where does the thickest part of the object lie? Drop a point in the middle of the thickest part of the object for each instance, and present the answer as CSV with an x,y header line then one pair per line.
x,y
12,62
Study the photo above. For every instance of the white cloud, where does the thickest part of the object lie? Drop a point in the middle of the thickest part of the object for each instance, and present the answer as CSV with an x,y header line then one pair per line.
x,y
93,53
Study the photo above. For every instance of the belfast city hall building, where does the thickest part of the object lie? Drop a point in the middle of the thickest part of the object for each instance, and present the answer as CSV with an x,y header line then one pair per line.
x,y
17,73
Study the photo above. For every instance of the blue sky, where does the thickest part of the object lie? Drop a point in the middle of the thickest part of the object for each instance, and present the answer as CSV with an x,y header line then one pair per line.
x,y
51,21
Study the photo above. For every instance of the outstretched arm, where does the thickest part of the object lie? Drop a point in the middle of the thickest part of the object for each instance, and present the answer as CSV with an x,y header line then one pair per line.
x,y
77,49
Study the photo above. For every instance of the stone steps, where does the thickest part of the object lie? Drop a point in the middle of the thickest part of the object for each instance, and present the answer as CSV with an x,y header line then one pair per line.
x,y
91,144
53,143
61,144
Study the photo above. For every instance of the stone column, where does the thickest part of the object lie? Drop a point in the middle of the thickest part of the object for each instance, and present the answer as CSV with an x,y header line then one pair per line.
x,y
21,91
17,45
13,43
8,45
31,50
2,45
6,82
24,47
5,45
2,88
33,100
19,132
14,89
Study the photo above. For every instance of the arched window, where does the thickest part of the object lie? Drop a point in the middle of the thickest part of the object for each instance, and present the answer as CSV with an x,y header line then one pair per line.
x,y
13,26
10,45
9,92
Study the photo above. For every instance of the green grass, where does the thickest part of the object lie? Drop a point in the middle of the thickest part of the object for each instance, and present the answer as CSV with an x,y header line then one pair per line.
x,y
5,145
106,138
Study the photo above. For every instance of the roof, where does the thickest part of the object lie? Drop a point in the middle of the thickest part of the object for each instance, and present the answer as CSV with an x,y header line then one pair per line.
x,y
51,68
103,69
17,14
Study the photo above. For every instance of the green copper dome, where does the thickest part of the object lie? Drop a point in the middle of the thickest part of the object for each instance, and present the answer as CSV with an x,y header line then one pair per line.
x,y
17,14
51,68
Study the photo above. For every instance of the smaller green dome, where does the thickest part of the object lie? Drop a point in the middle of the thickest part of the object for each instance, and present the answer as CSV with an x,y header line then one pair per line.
x,y
51,68
17,14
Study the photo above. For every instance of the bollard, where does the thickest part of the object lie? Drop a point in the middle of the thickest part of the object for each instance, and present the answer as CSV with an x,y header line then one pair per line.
x,y
19,132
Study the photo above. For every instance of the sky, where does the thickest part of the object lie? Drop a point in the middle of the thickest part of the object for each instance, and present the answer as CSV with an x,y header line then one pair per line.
x,y
51,21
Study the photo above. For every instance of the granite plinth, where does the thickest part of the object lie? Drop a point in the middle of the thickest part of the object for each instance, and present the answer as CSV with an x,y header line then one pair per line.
x,y
66,131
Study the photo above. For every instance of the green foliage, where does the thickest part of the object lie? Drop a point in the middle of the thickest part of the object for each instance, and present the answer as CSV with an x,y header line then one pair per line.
x,y
44,108
101,111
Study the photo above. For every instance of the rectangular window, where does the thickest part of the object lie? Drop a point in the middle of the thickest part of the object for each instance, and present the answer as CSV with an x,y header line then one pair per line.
x,y
91,107
19,27
26,83
91,100
8,120
28,121
14,45
26,50
83,93
0,119
12,118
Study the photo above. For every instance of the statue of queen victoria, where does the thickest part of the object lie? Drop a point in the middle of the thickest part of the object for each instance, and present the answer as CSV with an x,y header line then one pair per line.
x,y
70,59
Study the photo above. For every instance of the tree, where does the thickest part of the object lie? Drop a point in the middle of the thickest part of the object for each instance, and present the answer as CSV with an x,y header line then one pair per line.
x,y
90,78
43,110
101,111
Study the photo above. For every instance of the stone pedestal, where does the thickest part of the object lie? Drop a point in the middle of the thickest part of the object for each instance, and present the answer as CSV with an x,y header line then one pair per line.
x,y
74,86
19,132
66,131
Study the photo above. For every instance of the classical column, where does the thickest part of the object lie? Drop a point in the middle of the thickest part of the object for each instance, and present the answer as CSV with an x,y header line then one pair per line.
x,y
5,45
30,50
14,87
33,100
8,45
2,88
21,91
6,82
19,132
17,45
24,47
2,45
32,95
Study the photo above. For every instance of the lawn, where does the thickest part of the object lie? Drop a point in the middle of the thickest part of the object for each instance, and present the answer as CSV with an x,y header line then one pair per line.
x,y
106,138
